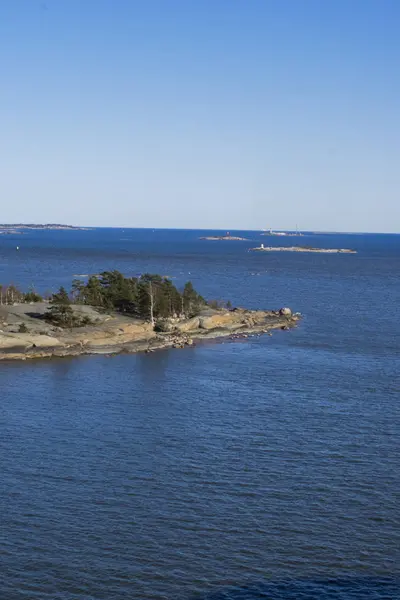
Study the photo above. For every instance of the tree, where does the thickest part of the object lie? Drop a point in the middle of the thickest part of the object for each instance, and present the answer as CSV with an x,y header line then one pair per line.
x,y
32,296
191,300
93,292
78,291
170,302
11,294
150,290
60,311
118,291
150,302
146,300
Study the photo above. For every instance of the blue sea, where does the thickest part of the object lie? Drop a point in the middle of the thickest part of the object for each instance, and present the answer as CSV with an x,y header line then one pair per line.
x,y
264,468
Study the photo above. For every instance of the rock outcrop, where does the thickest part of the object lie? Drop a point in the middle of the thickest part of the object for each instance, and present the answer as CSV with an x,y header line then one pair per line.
x,y
117,333
188,325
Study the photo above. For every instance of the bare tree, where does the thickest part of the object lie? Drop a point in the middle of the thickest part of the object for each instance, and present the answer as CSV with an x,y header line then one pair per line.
x,y
151,297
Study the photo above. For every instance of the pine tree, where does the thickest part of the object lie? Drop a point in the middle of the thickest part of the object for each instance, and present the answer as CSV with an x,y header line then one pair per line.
x,y
93,293
32,296
60,311
117,291
78,291
191,300
171,300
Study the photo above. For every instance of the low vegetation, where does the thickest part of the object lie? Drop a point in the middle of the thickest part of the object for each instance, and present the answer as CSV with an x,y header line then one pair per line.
x,y
148,297
11,294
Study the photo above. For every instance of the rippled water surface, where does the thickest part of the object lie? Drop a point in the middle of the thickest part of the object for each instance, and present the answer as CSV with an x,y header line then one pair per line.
x,y
265,468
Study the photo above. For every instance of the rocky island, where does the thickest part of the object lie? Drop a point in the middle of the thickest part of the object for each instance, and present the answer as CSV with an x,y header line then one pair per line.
x,y
227,237
8,231
263,248
112,314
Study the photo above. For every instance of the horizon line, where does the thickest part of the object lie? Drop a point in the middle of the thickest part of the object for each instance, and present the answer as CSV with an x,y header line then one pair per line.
x,y
219,229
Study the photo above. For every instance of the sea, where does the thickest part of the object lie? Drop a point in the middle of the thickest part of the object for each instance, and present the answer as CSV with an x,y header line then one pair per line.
x,y
259,468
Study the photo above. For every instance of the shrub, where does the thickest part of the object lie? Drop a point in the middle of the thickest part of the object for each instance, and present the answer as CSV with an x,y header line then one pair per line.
x,y
32,297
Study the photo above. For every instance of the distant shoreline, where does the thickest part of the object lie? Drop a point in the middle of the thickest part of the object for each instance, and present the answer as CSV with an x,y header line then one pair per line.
x,y
231,238
7,228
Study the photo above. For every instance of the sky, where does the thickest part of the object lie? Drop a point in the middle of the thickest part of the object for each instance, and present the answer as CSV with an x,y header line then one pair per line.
x,y
225,114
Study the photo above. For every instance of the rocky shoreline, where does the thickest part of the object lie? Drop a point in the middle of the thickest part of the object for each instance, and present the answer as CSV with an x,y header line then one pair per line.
x,y
114,334
263,248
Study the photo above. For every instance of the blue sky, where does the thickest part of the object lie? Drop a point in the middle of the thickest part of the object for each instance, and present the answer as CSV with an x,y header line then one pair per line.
x,y
201,113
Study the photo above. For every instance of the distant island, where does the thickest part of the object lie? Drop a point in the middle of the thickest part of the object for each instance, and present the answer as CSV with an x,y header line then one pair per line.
x,y
227,237
111,313
11,228
282,233
263,248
